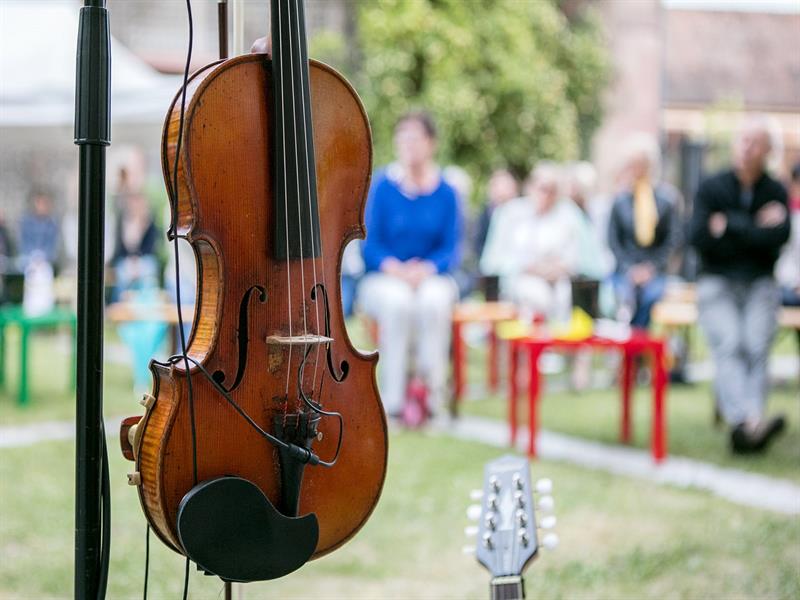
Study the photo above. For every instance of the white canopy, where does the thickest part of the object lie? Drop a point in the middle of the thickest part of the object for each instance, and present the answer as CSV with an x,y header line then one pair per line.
x,y
38,42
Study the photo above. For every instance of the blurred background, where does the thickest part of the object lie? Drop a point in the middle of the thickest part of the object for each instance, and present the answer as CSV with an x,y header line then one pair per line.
x,y
510,84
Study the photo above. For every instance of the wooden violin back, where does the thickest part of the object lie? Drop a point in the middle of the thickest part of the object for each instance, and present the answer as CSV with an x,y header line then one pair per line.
x,y
246,294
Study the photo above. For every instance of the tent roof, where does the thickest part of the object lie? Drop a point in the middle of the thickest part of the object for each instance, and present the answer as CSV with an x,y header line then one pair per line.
x,y
38,42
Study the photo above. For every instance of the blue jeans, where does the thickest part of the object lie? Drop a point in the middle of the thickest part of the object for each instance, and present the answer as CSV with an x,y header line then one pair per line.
x,y
640,298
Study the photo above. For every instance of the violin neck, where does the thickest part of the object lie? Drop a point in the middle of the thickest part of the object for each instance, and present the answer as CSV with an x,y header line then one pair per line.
x,y
296,233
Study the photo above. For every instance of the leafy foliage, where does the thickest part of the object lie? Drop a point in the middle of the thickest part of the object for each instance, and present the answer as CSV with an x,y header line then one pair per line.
x,y
509,82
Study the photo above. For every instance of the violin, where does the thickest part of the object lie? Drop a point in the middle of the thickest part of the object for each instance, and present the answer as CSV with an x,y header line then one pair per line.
x,y
265,445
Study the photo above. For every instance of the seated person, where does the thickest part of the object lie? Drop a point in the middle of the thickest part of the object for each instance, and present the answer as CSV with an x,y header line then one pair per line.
x,y
39,231
413,234
642,232
533,246
501,188
134,258
739,224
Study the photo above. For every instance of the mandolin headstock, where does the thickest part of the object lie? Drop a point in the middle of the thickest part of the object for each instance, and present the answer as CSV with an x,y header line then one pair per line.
x,y
508,528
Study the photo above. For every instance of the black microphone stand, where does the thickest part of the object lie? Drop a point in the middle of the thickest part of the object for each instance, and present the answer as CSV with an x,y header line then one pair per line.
x,y
92,135
222,28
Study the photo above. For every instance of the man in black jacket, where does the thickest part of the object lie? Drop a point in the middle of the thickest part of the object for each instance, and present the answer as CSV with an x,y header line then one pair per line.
x,y
739,224
643,231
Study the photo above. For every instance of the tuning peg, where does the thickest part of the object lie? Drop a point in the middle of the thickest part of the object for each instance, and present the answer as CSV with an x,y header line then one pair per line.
x,y
544,486
495,483
491,501
550,541
546,503
474,512
522,518
523,537
547,522
468,550
475,495
471,530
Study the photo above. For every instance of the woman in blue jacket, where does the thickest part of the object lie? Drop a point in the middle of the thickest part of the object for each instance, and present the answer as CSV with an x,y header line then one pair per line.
x,y
413,236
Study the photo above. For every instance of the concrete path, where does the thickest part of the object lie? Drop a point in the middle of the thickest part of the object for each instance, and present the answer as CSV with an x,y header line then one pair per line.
x,y
749,489
15,436
741,487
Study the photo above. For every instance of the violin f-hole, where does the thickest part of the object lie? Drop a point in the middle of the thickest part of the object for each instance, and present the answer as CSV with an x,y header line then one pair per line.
x,y
344,366
243,335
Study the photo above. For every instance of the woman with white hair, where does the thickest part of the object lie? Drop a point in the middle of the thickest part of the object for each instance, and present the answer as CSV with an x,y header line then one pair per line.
x,y
642,232
533,246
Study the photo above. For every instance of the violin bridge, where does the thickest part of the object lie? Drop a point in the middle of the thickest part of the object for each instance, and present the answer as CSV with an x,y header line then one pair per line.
x,y
298,340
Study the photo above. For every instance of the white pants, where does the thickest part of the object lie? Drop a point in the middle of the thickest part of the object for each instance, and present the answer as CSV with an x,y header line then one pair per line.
x,y
534,295
407,316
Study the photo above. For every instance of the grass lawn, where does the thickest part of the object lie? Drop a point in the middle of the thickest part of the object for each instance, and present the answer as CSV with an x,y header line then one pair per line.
x,y
620,538
595,415
51,398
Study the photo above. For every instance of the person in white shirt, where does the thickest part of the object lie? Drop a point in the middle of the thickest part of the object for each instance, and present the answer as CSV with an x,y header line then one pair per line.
x,y
533,245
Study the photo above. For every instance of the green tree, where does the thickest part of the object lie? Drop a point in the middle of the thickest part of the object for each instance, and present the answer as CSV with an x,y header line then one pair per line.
x,y
509,82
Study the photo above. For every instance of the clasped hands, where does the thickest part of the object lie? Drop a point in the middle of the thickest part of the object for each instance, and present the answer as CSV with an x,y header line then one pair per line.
x,y
413,271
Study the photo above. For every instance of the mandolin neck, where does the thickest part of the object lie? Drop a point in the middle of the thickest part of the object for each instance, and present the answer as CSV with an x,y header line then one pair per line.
x,y
296,227
508,588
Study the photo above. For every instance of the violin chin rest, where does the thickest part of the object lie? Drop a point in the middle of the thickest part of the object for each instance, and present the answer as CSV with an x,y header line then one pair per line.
x,y
231,529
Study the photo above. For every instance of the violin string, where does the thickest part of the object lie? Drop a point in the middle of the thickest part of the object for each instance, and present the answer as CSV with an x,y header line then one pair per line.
x,y
278,47
175,195
305,84
297,181
175,236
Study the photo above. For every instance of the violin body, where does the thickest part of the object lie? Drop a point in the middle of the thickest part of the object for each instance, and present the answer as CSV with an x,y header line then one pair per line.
x,y
246,294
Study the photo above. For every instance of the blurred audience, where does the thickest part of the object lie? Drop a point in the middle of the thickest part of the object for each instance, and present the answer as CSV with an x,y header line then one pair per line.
x,y
533,246
464,275
501,188
739,224
6,245
787,271
6,257
134,259
643,230
595,257
413,235
352,272
39,231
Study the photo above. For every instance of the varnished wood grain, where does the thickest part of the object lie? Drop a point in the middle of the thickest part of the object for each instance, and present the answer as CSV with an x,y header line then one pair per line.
x,y
224,205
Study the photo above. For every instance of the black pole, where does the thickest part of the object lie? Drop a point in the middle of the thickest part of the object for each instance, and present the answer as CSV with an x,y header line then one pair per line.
x,y
92,134
222,27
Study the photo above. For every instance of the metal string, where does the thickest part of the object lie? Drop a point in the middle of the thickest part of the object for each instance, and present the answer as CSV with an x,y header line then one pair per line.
x,y
279,46
299,215
305,71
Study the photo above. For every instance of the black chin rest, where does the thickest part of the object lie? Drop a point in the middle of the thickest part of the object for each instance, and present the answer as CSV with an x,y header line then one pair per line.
x,y
231,529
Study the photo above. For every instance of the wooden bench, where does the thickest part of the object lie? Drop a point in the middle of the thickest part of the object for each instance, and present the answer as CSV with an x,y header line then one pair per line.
x,y
678,310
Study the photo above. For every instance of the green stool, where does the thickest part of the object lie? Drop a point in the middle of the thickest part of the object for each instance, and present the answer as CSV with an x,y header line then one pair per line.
x,y
14,315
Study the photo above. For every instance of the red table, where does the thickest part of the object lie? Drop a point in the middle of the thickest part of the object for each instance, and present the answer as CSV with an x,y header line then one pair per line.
x,y
638,343
490,313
